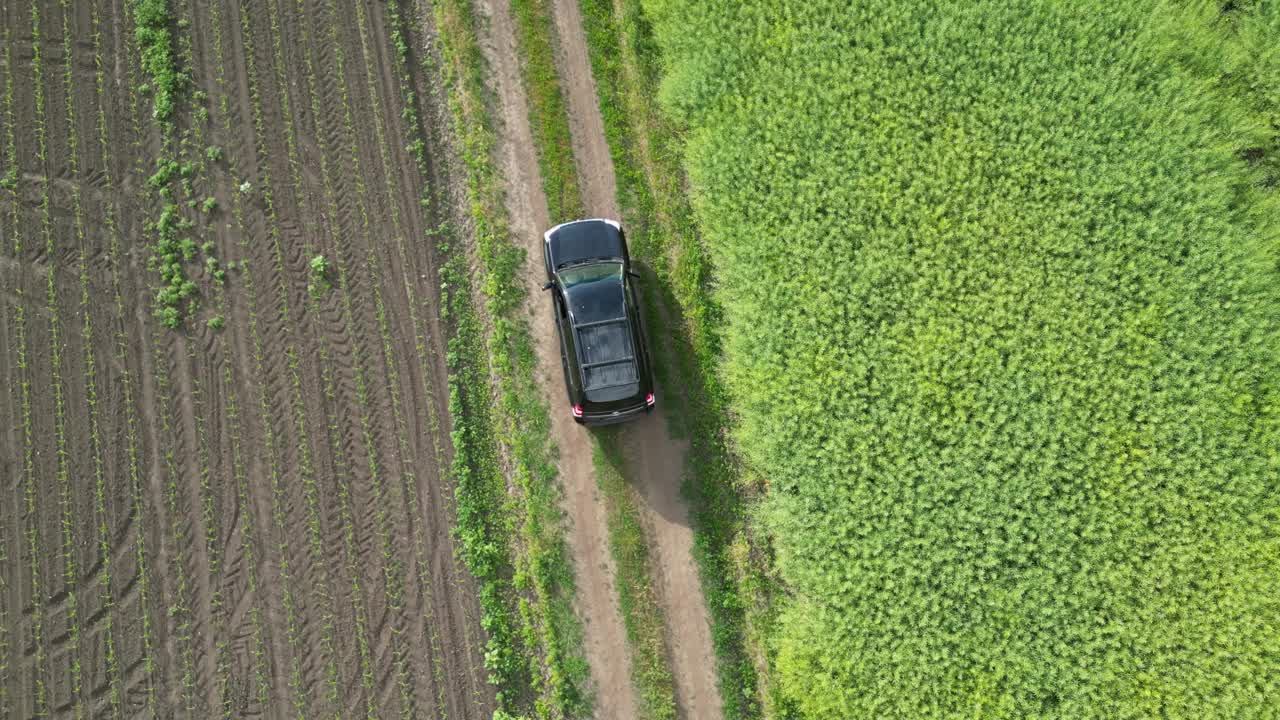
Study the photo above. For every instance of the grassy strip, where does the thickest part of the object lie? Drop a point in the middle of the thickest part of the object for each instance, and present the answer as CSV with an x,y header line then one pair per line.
x,y
482,512
645,147
548,114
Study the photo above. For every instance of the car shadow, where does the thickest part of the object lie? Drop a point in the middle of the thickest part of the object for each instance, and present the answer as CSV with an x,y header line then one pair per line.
x,y
651,461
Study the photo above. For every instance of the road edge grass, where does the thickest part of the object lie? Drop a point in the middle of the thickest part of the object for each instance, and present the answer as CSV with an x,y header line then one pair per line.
x,y
734,559
526,592
641,613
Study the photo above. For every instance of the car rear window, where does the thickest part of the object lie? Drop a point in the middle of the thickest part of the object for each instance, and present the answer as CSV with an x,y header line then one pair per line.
x,y
609,343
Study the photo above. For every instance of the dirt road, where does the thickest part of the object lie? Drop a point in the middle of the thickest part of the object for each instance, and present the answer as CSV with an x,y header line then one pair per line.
x,y
597,597
654,461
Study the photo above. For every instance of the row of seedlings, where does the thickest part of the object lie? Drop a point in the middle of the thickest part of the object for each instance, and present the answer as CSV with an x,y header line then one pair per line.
x,y
273,448
137,109
417,148
315,533
381,135
153,20
96,448
193,148
392,570
9,185
106,589
249,543
117,694
62,475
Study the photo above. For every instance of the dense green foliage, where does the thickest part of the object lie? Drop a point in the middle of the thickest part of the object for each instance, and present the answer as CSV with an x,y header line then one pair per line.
x,y
171,243
1000,291
152,19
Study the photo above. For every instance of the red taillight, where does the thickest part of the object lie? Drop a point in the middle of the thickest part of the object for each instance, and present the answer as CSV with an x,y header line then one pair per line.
x,y
577,410
649,399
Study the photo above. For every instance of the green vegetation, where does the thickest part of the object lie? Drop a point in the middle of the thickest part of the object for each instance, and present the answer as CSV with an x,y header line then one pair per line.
x,y
171,245
27,477
18,341
250,536
152,19
999,286
1243,39
318,276
123,346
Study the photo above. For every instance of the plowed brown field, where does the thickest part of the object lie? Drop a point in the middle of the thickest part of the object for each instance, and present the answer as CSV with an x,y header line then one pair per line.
x,y
252,521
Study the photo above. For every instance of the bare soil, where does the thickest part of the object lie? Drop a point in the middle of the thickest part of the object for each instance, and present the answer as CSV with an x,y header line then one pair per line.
x,y
246,522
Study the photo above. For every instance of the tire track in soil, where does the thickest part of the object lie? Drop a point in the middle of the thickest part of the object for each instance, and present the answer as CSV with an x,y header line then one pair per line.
x,y
351,349
596,600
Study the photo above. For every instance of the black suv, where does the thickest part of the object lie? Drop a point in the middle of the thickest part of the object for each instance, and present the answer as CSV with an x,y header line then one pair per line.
x,y
602,344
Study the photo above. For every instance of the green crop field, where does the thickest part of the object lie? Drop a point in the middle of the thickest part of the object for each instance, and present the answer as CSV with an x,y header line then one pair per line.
x,y
1001,291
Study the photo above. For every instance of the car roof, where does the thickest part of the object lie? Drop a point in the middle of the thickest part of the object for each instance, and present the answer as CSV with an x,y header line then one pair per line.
x,y
583,240
603,335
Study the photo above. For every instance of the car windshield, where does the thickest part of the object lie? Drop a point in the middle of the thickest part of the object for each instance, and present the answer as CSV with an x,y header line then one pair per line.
x,y
572,277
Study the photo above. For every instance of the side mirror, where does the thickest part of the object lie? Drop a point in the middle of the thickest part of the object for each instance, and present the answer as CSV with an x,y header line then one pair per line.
x,y
548,285
634,274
